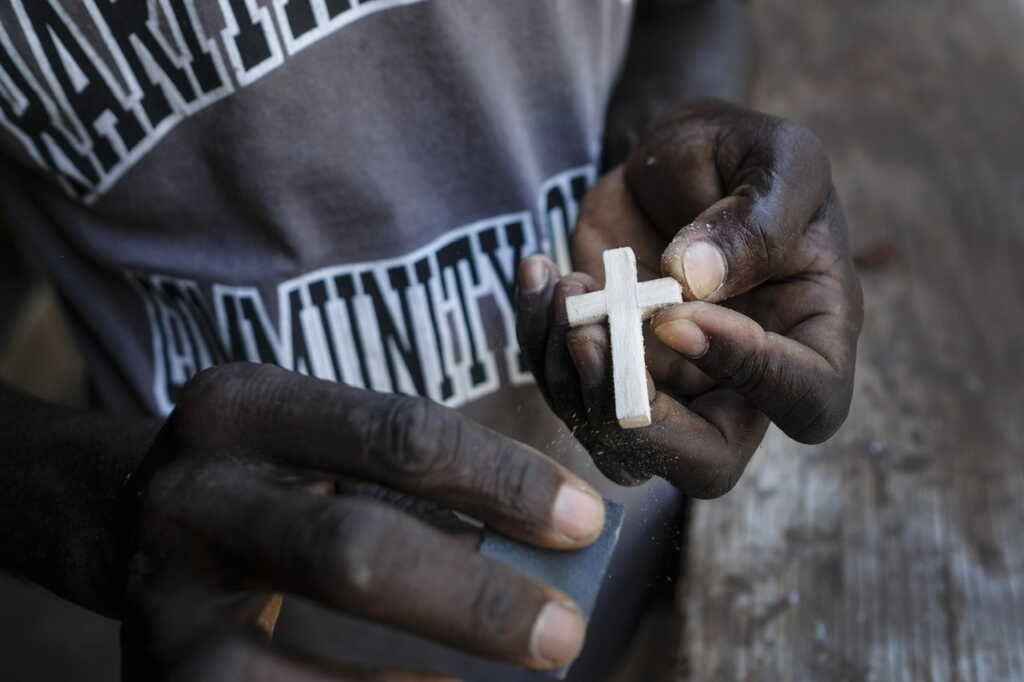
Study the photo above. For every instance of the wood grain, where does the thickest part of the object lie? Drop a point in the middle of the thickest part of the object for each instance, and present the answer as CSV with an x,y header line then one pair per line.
x,y
657,294
590,308
625,330
894,552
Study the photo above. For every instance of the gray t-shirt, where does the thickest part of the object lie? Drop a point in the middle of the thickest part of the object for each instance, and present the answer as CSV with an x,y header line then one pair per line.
x,y
341,188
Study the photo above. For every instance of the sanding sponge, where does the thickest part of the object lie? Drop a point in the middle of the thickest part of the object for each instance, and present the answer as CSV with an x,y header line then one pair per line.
x,y
578,573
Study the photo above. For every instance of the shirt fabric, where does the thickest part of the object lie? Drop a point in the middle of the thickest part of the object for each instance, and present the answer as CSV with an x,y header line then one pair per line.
x,y
340,188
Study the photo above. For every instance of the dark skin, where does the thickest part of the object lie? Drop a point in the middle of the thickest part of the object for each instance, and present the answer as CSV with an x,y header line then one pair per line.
x,y
211,551
773,311
263,481
258,482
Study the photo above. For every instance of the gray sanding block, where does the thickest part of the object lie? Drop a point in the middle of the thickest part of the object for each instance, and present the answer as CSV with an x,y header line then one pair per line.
x,y
578,573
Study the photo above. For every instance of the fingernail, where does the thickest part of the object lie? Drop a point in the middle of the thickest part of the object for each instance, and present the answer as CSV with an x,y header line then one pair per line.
x,y
578,514
535,275
704,268
683,336
557,635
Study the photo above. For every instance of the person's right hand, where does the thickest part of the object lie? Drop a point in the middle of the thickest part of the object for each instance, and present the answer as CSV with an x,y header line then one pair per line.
x,y
252,489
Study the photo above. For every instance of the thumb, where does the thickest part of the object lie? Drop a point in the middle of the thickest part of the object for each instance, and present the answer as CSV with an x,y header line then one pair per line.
x,y
740,241
773,183
730,248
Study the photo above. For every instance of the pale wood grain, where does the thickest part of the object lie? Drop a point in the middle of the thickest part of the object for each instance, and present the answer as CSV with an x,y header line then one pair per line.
x,y
629,373
652,296
657,294
584,309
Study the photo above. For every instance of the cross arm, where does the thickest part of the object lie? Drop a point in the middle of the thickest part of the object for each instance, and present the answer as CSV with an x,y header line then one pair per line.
x,y
586,308
652,296
657,294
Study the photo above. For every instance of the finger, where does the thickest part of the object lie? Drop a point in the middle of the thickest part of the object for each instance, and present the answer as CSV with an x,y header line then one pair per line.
x,y
805,392
239,659
777,178
626,457
535,286
371,561
672,372
408,444
590,351
183,623
578,381
562,380
701,446
429,512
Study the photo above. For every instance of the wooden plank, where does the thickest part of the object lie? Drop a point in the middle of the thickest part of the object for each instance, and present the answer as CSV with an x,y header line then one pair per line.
x,y
891,553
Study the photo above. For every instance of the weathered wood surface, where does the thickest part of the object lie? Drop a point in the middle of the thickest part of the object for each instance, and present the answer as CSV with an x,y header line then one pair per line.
x,y
895,552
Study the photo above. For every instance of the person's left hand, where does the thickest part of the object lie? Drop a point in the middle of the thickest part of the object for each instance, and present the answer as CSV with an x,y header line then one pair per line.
x,y
774,307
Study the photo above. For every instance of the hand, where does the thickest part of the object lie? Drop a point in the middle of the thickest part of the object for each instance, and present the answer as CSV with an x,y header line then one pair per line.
x,y
257,486
774,306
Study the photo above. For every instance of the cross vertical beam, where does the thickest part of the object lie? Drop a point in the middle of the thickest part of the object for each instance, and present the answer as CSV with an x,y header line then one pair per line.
x,y
629,373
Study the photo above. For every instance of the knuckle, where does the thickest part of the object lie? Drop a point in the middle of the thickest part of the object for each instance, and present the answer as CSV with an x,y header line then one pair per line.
x,y
759,240
215,399
214,384
818,415
412,438
750,371
717,482
341,545
512,480
162,504
806,146
573,284
495,613
177,486
799,137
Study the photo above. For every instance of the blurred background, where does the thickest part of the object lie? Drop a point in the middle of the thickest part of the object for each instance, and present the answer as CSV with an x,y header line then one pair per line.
x,y
893,552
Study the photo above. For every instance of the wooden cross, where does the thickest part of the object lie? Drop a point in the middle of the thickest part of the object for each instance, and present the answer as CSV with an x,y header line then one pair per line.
x,y
625,303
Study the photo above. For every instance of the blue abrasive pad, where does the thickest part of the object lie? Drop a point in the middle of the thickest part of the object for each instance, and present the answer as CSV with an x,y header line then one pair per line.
x,y
578,573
